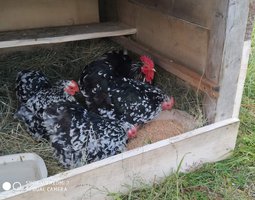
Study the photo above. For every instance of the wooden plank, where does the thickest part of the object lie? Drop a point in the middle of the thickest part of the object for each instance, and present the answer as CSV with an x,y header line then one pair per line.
x,y
215,54
185,42
195,11
242,76
224,56
28,14
184,73
216,40
232,56
63,34
147,164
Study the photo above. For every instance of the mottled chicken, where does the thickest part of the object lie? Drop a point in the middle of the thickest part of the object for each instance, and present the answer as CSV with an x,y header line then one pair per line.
x,y
121,98
124,67
30,112
112,66
28,83
118,64
134,101
79,137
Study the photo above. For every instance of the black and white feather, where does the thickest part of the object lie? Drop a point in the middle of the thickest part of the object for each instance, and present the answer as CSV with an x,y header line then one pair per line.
x,y
80,137
28,83
124,99
31,111
110,66
133,101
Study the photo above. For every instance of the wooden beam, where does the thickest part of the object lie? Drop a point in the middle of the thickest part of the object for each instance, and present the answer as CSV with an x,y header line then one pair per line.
x,y
232,55
63,34
182,72
216,40
215,53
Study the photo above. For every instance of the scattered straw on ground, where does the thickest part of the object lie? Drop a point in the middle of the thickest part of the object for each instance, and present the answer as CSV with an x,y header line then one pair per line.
x,y
64,61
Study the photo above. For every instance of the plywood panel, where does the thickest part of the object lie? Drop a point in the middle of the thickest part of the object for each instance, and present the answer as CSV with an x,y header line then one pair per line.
x,y
147,164
196,11
27,14
185,42
63,34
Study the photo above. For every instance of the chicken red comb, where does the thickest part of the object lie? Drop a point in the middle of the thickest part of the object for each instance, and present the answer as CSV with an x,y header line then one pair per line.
x,y
147,61
147,68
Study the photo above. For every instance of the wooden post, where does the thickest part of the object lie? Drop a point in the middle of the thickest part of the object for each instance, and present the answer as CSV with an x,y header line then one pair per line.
x,y
228,54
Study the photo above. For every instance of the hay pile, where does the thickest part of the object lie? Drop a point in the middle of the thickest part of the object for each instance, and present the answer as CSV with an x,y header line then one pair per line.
x,y
64,61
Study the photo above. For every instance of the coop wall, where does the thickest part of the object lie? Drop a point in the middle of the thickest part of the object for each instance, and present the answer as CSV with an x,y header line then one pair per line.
x,y
29,14
204,37
172,28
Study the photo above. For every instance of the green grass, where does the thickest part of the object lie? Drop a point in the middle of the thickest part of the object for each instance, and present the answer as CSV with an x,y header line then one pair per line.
x,y
232,179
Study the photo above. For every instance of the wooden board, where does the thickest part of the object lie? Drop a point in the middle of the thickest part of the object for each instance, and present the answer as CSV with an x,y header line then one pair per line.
x,y
195,11
224,57
185,42
216,40
232,56
27,14
63,34
147,164
241,78
194,79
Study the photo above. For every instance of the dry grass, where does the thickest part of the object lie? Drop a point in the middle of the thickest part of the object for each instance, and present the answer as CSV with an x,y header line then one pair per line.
x,y
64,62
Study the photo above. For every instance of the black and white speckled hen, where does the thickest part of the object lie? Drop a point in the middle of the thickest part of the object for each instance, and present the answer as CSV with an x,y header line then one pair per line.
x,y
124,67
28,83
119,64
121,98
114,65
31,111
134,101
79,137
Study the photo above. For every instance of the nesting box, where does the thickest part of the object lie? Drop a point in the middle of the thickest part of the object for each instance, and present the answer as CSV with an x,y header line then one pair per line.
x,y
201,42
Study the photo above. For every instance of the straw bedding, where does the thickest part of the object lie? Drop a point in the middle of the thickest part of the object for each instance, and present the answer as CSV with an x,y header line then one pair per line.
x,y
65,61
